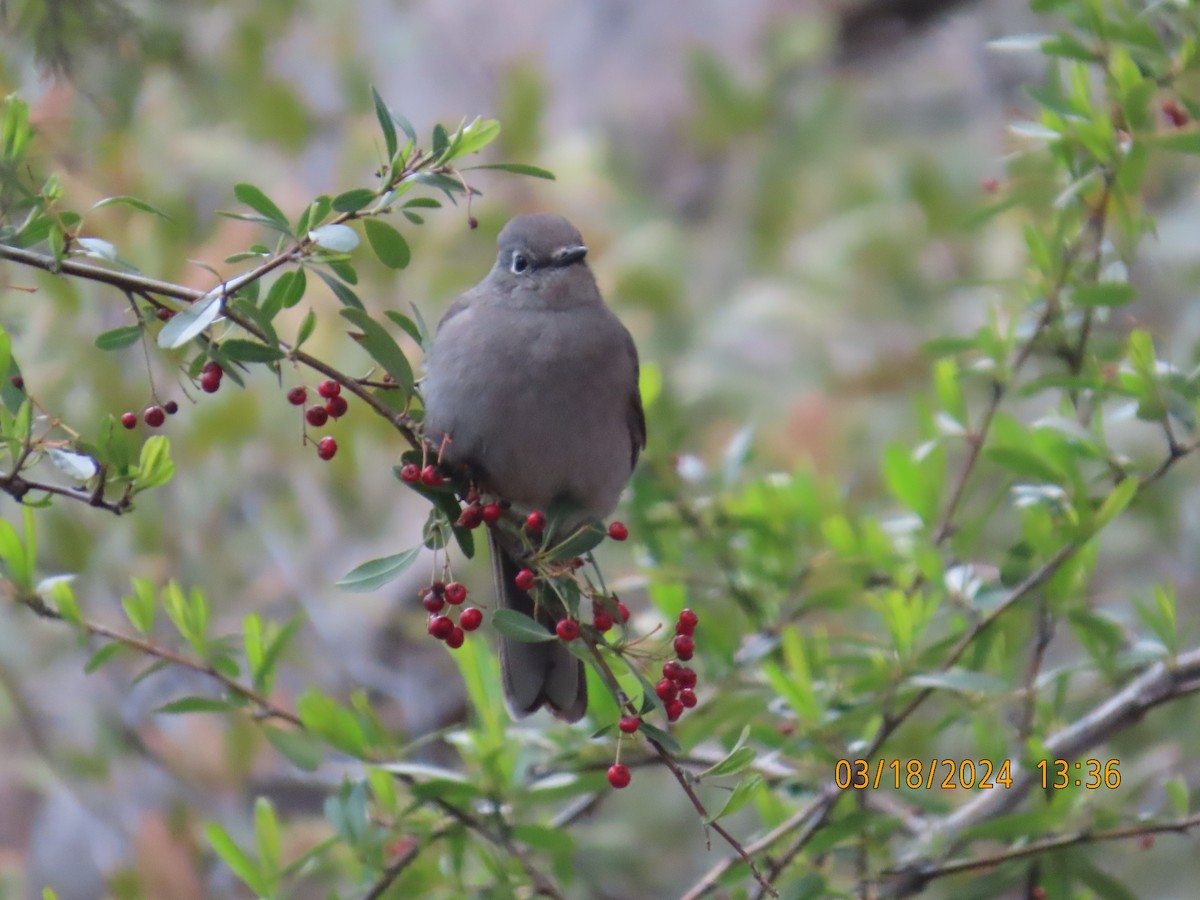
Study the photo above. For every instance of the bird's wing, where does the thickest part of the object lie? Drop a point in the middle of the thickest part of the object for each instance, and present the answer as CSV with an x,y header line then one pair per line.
x,y
635,417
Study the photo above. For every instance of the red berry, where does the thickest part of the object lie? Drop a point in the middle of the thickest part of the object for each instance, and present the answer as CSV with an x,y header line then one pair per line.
x,y
326,448
472,222
18,382
685,646
629,724
492,513
617,531
470,517
623,610
432,602
336,406
329,388
470,619
210,382
666,690
455,593
690,619
129,420
687,677
525,579
163,314
674,710
602,621
154,416
171,407
578,563
672,670
410,473
212,367
535,522
989,184
316,416
441,627
687,697
567,629
1176,113
438,588
431,477
618,775
456,638
297,395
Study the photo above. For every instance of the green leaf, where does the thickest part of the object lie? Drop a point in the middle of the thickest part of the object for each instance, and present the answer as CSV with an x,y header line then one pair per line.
x,y
134,203
307,327
516,169
409,326
102,656
263,674
192,321
735,761
961,681
140,607
383,348
1104,293
1177,791
353,201
388,243
325,718
384,115
117,338
154,466
233,856
262,204
1026,462
195,705
301,749
520,627
76,466
1115,503
474,137
346,296
12,556
585,538
250,351
375,573
1177,141
285,292
664,739
266,836
335,237
742,794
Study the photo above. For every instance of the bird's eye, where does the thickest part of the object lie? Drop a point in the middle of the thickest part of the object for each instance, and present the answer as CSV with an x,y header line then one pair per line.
x,y
519,263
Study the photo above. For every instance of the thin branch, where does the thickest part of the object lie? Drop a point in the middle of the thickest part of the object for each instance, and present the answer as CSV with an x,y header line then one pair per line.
x,y
682,777
1160,683
149,648
138,283
991,860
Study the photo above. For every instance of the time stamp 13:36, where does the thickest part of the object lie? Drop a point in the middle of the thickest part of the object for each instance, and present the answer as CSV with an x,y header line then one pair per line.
x,y
968,774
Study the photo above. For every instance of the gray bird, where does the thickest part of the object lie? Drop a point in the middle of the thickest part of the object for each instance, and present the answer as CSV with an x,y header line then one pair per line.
x,y
532,382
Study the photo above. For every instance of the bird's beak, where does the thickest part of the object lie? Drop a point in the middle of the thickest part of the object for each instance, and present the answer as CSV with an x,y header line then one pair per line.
x,y
564,256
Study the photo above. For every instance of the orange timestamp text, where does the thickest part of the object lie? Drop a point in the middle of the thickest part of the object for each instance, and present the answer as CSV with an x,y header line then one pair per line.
x,y
967,774
948,774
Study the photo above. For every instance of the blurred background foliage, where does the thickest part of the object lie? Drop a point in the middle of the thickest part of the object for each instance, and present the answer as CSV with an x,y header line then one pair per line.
x,y
784,203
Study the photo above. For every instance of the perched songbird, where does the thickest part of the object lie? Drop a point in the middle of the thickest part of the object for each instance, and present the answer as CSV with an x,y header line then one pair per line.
x,y
533,383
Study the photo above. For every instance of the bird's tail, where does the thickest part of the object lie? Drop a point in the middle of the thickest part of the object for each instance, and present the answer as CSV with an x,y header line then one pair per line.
x,y
535,674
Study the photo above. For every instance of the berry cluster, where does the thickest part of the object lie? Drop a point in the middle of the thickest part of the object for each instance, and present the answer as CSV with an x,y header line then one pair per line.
x,y
435,598
333,407
429,475
154,416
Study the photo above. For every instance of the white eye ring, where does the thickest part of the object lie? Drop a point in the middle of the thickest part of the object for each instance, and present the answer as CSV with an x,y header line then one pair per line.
x,y
519,263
